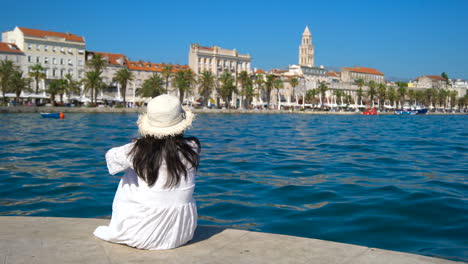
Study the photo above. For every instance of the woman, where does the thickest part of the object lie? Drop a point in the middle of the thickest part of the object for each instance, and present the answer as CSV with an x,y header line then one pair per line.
x,y
153,207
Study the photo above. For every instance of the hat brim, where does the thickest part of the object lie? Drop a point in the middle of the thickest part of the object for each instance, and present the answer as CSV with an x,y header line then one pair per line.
x,y
146,129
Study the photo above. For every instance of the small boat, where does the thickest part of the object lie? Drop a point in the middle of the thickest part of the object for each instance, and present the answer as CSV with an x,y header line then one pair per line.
x,y
53,115
411,112
370,111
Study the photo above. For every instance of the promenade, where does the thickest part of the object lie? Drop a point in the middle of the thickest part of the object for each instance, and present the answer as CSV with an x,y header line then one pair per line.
x,y
46,240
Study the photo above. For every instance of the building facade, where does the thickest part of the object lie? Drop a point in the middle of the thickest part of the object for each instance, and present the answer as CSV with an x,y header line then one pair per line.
x,y
11,52
350,75
306,49
218,60
431,81
58,53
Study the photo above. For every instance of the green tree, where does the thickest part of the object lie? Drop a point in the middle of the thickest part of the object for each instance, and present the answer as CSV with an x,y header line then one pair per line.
x,y
392,95
453,98
269,85
310,96
249,93
19,83
381,94
402,91
7,69
322,89
97,63
184,81
151,87
207,82
71,86
294,82
37,72
226,88
123,76
445,76
92,82
55,87
244,79
167,73
278,85
372,91
259,82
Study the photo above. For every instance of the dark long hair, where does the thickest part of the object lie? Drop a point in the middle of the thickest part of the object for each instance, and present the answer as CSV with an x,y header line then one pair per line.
x,y
149,153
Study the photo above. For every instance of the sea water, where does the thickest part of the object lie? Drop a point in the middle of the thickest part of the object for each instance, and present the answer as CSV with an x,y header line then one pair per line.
x,y
392,182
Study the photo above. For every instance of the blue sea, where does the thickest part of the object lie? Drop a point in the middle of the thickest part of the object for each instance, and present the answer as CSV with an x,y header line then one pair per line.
x,y
391,182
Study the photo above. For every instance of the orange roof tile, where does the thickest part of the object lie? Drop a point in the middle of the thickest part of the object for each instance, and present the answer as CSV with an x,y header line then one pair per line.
x,y
112,58
206,48
153,67
333,74
259,71
363,70
42,34
435,77
9,47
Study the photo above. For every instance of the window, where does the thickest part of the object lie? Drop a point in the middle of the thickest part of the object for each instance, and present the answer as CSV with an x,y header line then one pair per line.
x,y
38,59
46,47
54,49
69,62
70,50
80,51
38,47
80,74
138,82
29,59
61,72
54,61
62,49
62,61
46,60
54,72
29,46
80,62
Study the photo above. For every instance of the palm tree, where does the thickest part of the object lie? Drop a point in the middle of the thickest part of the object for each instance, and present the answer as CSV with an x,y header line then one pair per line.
x,y
7,69
382,94
37,72
322,90
71,86
372,91
294,82
360,83
402,91
123,76
310,95
278,85
55,87
453,98
207,85
392,96
184,81
166,73
269,84
97,63
92,81
412,96
249,93
152,87
19,84
226,87
243,78
259,81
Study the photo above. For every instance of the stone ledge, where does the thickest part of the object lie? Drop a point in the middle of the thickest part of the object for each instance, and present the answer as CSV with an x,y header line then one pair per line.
x,y
52,240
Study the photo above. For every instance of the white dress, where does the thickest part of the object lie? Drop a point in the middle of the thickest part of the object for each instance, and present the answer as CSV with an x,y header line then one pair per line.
x,y
149,217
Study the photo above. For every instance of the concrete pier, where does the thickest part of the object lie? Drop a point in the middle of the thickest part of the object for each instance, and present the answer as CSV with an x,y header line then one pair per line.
x,y
49,240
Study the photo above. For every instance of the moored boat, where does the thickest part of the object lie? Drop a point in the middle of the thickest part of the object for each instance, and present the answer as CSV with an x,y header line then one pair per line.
x,y
370,111
53,115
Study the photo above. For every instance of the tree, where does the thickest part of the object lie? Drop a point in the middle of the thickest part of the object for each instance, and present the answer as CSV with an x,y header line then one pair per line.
x,y
249,92
445,76
269,84
402,91
167,73
19,83
310,96
259,81
184,81
7,69
92,82
244,79
152,87
278,85
226,88
71,86
97,63
294,82
382,94
207,83
37,72
360,83
392,96
55,87
322,89
453,98
372,91
123,76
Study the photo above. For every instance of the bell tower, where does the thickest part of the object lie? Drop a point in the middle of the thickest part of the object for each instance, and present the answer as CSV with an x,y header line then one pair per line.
x,y
306,49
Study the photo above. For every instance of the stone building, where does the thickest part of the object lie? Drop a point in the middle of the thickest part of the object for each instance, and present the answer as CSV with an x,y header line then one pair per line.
x,y
350,75
11,52
430,81
217,60
306,49
58,53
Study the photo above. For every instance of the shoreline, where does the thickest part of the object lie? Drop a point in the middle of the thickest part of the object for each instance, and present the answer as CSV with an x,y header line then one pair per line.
x,y
49,109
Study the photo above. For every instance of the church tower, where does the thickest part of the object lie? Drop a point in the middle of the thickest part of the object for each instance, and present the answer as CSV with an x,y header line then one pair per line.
x,y
306,49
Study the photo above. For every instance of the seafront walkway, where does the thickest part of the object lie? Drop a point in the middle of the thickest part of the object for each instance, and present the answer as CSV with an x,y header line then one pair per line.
x,y
51,240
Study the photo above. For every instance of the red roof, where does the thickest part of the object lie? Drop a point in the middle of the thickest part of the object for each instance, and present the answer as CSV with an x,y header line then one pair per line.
x,y
154,67
9,47
333,74
206,48
363,70
435,77
259,71
42,34
112,58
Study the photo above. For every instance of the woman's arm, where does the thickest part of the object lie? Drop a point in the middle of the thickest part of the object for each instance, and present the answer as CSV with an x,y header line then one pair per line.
x,y
118,159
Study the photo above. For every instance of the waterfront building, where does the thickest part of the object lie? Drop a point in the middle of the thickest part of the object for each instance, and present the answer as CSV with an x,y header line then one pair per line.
x,y
460,86
114,63
350,75
306,49
217,60
431,81
59,53
11,52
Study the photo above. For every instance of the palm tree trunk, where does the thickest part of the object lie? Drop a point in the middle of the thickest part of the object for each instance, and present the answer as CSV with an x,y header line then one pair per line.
x,y
37,85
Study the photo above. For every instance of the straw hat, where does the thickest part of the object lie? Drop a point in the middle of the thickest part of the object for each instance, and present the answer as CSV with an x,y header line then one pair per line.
x,y
164,116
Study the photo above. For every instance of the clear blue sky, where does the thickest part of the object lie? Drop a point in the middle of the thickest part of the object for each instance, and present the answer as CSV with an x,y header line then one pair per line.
x,y
401,38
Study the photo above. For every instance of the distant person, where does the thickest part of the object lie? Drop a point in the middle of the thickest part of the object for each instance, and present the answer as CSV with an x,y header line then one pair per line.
x,y
153,207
